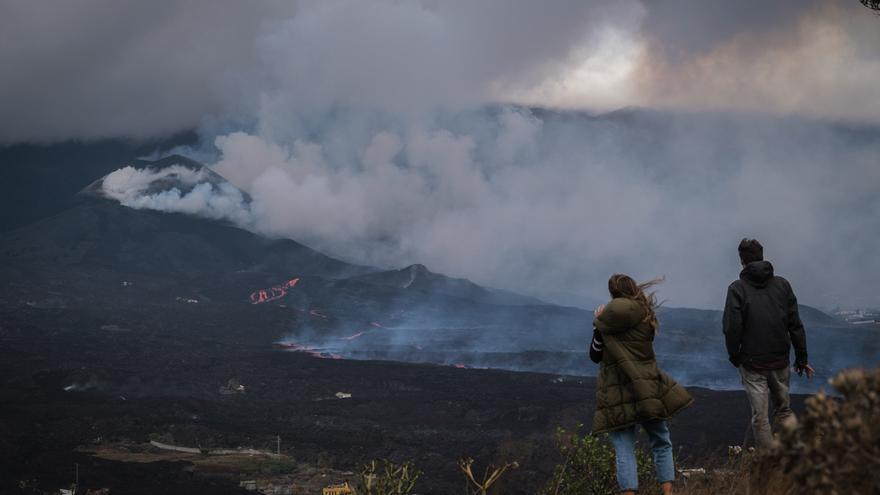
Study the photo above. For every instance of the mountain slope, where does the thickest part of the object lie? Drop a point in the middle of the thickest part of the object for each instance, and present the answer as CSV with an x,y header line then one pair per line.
x,y
419,278
102,234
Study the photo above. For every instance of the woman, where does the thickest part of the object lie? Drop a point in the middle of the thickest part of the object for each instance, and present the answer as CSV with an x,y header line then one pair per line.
x,y
631,390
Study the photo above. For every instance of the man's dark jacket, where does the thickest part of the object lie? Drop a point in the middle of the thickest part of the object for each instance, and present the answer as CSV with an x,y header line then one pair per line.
x,y
761,320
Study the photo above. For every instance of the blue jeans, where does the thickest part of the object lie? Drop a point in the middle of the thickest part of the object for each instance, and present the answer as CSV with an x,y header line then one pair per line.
x,y
624,442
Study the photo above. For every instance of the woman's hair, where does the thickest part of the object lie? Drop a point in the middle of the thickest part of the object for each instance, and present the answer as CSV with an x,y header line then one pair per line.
x,y
620,285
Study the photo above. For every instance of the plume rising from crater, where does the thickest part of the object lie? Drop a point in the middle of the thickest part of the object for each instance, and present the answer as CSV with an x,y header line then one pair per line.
x,y
174,184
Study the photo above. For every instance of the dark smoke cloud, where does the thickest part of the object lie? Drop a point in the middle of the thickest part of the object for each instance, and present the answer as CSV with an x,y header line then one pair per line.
x,y
797,57
99,68
679,30
96,68
406,56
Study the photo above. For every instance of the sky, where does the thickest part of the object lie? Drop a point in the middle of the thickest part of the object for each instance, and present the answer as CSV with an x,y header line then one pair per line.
x,y
103,68
390,132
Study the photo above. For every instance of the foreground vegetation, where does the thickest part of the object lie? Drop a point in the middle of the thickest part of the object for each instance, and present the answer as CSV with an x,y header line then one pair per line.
x,y
831,449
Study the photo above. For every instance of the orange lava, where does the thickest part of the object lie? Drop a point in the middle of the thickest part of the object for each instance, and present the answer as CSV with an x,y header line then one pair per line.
x,y
267,295
308,350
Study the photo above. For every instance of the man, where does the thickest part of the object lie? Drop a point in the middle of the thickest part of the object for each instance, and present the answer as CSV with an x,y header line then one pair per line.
x,y
761,324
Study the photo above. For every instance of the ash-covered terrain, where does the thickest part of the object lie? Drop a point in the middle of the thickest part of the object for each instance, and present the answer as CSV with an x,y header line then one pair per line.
x,y
121,324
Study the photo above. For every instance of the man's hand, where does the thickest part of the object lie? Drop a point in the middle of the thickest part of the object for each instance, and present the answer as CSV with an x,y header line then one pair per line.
x,y
599,310
800,370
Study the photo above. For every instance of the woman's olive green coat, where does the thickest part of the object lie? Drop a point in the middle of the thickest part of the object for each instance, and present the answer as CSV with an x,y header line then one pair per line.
x,y
631,389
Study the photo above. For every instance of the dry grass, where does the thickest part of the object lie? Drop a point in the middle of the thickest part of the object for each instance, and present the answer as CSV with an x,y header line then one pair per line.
x,y
833,449
741,476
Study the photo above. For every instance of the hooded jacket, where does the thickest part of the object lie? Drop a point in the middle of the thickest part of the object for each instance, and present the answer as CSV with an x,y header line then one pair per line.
x,y
630,388
761,320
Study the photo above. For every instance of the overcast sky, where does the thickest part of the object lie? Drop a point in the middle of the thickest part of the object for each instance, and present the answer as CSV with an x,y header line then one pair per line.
x,y
99,68
356,126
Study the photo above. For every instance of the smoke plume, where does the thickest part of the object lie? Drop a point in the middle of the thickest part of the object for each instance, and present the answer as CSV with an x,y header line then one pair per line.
x,y
186,191
393,132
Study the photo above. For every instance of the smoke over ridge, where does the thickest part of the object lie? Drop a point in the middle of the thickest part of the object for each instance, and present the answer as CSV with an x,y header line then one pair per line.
x,y
548,203
555,204
382,131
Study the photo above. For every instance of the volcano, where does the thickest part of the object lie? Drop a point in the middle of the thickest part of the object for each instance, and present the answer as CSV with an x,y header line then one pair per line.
x,y
170,173
99,233
120,323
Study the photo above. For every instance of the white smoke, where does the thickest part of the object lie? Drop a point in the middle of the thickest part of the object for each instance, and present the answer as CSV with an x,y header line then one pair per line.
x,y
128,182
186,191
554,204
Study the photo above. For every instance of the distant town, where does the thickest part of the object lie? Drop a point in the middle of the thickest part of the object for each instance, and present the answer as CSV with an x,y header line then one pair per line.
x,y
859,316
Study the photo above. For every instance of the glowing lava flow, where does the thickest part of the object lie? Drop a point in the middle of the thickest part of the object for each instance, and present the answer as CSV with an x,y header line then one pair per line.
x,y
311,351
266,295
316,351
375,324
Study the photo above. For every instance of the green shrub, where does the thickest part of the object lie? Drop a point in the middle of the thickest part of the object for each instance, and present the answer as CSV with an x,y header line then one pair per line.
x,y
588,466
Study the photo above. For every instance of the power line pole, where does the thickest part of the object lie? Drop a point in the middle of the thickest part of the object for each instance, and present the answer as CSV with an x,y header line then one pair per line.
x,y
278,445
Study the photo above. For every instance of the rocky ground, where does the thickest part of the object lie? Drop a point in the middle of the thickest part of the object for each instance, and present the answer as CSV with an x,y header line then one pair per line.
x,y
125,387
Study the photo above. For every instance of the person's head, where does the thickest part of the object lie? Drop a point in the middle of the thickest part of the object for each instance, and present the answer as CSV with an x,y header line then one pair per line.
x,y
621,285
750,250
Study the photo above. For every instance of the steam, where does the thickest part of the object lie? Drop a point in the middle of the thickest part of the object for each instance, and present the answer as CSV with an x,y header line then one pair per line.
x,y
132,188
127,183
